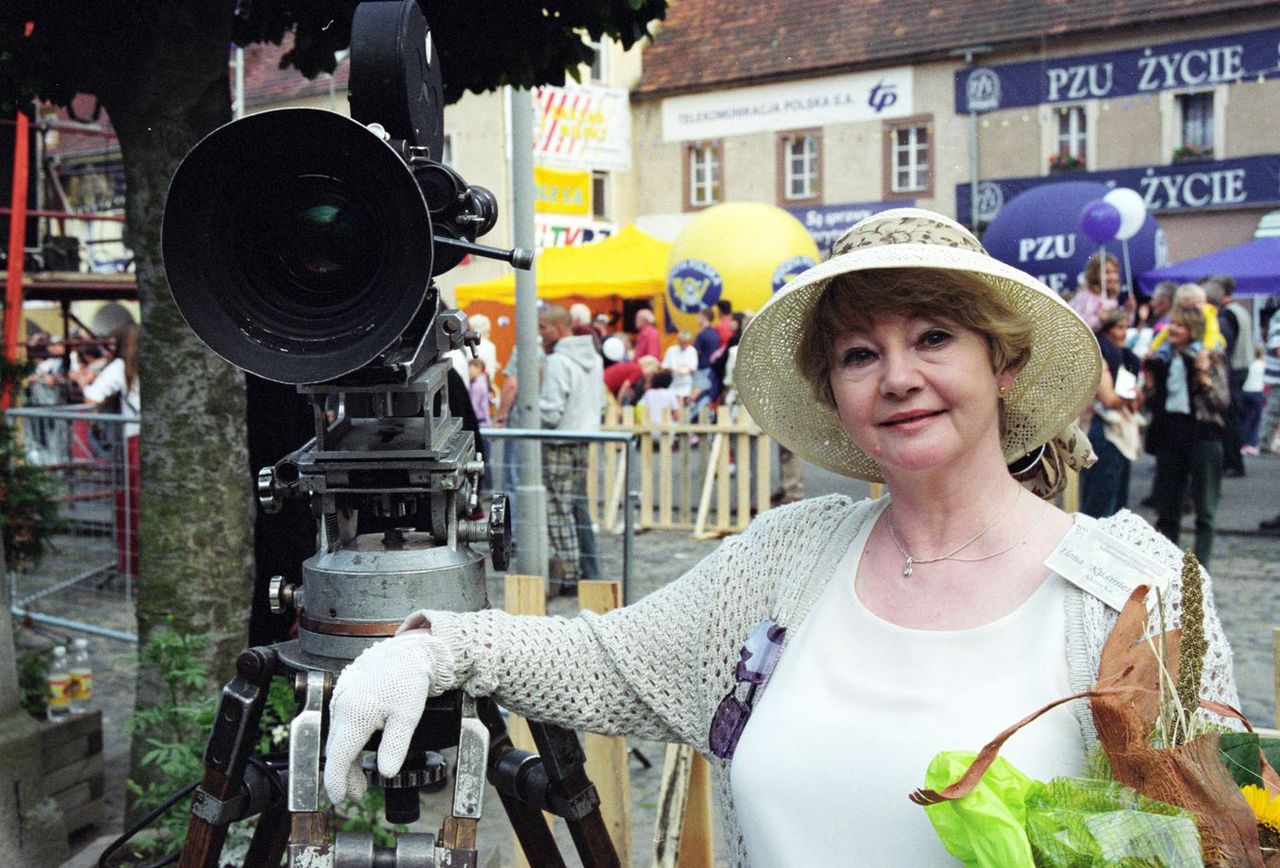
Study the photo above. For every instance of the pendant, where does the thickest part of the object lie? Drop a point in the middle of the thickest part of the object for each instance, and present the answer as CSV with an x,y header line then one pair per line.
x,y
906,568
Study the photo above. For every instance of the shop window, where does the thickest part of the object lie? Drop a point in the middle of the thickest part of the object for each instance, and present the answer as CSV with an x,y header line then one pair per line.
x,y
800,166
703,171
908,157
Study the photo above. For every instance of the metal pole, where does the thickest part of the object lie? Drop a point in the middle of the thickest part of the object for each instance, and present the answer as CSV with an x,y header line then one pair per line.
x,y
531,496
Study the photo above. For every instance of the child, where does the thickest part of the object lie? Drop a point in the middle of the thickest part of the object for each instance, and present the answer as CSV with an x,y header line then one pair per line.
x,y
1251,393
479,391
659,397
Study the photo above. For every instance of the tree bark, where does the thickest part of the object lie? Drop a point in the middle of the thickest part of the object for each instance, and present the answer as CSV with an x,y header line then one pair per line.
x,y
197,509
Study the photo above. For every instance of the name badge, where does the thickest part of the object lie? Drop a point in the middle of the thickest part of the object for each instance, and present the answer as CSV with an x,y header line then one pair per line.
x,y
1108,568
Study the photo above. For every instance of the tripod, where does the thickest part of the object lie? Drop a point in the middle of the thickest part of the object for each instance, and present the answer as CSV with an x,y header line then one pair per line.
x,y
397,453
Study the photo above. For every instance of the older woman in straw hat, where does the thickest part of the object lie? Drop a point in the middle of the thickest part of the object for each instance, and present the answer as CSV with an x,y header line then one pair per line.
x,y
822,658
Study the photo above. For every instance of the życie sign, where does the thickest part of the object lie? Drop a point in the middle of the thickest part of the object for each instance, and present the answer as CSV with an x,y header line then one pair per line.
x,y
1189,63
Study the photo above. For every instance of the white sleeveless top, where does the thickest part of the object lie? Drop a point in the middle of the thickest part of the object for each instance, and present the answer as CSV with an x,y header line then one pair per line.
x,y
858,707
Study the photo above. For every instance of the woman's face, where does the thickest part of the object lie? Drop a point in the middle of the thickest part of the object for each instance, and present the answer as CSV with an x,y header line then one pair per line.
x,y
1179,334
1117,333
916,393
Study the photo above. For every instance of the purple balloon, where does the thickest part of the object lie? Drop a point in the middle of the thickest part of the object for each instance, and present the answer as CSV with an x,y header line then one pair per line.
x,y
1100,220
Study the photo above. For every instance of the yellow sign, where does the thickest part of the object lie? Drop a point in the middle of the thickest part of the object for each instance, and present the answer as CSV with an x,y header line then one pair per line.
x,y
561,192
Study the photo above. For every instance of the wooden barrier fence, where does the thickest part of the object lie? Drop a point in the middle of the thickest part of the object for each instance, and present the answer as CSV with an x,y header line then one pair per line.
x,y
708,477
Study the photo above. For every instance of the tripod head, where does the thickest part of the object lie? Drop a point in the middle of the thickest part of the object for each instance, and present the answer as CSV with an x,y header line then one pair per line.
x,y
302,246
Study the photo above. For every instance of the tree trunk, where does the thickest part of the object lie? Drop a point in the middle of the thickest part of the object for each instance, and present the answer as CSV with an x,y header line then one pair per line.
x,y
196,525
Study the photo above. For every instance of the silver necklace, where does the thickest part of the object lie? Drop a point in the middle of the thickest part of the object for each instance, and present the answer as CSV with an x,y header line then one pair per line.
x,y
911,560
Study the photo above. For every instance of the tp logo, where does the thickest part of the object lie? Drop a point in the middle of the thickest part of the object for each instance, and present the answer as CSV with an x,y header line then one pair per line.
x,y
882,96
982,88
990,201
693,284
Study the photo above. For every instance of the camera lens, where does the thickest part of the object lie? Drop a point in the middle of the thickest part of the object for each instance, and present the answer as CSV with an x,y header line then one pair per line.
x,y
315,249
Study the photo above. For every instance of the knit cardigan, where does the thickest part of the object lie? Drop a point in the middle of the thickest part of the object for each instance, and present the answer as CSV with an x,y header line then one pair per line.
x,y
658,668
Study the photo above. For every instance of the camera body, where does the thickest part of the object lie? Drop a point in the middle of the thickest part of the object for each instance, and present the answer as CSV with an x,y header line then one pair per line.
x,y
301,246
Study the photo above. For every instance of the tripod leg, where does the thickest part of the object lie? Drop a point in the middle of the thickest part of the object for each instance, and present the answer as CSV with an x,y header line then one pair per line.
x,y
526,818
225,758
270,837
565,762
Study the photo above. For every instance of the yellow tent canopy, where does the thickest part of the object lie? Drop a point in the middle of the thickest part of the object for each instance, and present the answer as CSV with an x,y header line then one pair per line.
x,y
628,264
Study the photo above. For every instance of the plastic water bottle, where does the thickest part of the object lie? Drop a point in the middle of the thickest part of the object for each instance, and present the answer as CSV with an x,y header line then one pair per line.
x,y
58,680
81,677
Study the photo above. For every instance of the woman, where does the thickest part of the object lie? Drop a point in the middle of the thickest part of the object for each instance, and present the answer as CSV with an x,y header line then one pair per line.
x,y
922,621
119,381
1104,487
1188,394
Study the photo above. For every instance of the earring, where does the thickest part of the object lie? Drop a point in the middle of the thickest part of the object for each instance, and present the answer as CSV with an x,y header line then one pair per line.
x,y
1003,389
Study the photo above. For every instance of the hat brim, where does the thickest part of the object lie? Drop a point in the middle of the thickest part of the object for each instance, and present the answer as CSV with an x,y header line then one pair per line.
x,y
1049,392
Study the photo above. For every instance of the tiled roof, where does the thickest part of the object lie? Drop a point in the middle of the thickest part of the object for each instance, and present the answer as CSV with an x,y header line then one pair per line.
x,y
706,43
266,83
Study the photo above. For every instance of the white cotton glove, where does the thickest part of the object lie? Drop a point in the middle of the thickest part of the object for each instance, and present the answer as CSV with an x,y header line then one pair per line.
x,y
385,688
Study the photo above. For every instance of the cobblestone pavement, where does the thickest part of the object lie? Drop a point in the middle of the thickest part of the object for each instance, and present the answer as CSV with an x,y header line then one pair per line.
x,y
1247,583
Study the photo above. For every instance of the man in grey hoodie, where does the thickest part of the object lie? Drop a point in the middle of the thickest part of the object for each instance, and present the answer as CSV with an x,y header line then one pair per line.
x,y
571,399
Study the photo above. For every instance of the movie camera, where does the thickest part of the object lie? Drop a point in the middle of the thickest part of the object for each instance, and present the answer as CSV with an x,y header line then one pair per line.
x,y
302,246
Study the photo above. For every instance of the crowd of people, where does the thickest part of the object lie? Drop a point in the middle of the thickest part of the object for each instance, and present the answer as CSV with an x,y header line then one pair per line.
x,y
1184,380
585,360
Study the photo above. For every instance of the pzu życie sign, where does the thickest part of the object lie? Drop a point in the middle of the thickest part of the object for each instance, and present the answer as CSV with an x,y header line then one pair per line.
x,y
1134,71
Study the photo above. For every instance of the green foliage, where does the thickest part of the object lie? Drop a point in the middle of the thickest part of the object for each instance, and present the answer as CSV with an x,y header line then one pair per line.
x,y
280,708
1239,752
33,666
28,511
175,731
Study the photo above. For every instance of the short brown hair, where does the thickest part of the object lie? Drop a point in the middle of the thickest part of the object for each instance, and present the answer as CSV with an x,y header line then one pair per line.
x,y
856,300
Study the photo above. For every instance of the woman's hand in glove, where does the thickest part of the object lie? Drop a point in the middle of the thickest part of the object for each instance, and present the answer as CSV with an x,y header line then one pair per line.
x,y
385,688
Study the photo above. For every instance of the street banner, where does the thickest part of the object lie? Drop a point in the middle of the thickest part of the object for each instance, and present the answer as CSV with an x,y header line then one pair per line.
x,y
561,191
582,126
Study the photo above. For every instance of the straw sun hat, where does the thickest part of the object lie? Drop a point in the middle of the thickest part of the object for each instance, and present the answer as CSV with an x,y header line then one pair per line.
x,y
1046,396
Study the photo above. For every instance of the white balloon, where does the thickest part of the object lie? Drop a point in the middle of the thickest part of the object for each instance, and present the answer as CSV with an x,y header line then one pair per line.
x,y
614,348
1132,208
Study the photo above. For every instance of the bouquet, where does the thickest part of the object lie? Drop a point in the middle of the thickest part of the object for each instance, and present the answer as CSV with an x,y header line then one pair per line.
x,y
1179,791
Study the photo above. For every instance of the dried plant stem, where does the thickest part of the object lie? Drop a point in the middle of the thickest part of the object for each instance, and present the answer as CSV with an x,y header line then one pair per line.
x,y
1191,656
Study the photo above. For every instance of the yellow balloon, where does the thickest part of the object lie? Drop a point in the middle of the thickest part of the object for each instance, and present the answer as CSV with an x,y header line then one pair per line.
x,y
740,251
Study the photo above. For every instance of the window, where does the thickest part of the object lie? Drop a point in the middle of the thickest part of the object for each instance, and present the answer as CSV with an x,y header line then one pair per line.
x,y
600,195
907,157
1071,134
598,66
1196,126
702,174
799,166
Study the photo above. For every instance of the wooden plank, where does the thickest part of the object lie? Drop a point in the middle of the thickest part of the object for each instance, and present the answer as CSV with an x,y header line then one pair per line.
x,y
617,488
724,520
523,595
73,727
695,842
764,471
742,461
607,756
593,482
666,493
708,484
677,767
646,475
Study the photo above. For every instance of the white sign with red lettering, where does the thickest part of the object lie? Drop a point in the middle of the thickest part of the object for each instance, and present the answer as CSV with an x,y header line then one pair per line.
x,y
582,126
